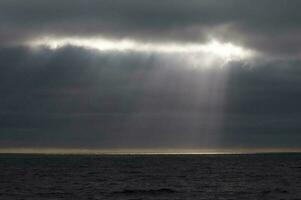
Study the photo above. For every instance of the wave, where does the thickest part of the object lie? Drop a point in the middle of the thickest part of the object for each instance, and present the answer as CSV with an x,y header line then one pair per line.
x,y
159,191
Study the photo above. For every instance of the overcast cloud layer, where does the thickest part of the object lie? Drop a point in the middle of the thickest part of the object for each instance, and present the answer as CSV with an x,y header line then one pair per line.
x,y
79,97
269,26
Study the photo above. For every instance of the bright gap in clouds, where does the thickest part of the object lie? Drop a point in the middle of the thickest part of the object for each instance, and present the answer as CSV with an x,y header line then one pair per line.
x,y
215,49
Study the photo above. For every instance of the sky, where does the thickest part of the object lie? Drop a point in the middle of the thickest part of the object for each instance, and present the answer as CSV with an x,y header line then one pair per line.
x,y
141,74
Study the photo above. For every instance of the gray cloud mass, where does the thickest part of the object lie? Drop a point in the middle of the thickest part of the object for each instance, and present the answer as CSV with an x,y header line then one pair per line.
x,y
269,26
79,97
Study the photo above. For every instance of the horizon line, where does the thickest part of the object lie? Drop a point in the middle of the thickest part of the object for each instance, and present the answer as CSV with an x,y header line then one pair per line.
x,y
146,151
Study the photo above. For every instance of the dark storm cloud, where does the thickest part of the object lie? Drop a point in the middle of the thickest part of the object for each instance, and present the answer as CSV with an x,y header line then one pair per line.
x,y
74,97
77,97
269,26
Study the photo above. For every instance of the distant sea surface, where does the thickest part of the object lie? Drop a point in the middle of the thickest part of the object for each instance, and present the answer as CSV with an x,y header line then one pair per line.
x,y
134,177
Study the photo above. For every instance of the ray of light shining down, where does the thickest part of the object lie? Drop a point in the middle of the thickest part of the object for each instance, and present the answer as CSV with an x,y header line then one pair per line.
x,y
221,50
204,127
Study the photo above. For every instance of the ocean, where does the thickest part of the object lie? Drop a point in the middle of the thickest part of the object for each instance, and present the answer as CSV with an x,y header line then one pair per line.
x,y
139,177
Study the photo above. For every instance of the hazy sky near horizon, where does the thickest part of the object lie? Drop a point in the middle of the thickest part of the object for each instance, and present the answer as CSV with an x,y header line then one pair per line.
x,y
150,74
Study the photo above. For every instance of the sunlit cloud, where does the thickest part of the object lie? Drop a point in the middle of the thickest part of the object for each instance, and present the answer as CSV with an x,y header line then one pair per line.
x,y
209,52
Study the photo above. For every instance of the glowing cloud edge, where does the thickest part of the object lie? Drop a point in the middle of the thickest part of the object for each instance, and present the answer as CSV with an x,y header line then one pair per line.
x,y
222,50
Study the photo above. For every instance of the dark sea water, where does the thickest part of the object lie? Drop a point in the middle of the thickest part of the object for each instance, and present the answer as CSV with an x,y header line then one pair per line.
x,y
261,176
